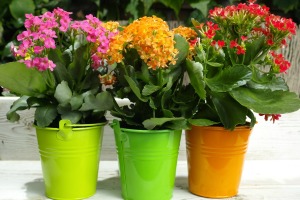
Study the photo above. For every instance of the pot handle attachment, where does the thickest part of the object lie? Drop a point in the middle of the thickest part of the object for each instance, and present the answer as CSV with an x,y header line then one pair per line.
x,y
65,130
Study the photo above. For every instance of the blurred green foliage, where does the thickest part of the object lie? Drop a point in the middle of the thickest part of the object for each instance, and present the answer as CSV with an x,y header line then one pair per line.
x,y
12,12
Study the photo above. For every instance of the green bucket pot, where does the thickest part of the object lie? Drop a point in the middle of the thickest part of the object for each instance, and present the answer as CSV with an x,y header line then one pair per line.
x,y
147,162
70,158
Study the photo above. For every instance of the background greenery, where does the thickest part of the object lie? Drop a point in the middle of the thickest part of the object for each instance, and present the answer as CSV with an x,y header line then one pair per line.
x,y
12,12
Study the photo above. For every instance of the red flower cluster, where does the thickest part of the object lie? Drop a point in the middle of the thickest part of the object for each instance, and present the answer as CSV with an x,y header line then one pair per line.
x,y
211,29
239,49
273,118
280,62
230,11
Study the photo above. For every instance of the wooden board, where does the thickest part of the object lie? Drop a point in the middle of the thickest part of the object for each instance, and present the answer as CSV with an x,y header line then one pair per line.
x,y
261,180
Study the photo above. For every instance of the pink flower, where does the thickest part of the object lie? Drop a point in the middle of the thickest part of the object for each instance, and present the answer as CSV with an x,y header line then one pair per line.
x,y
38,49
49,43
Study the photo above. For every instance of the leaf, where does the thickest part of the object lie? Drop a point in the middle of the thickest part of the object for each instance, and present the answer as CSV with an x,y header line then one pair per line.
x,y
252,118
132,8
18,8
101,102
201,5
174,4
76,101
253,49
215,64
202,122
149,89
230,112
73,116
60,71
183,47
78,67
229,79
195,72
267,82
267,101
135,88
19,79
286,5
45,115
19,104
153,122
63,93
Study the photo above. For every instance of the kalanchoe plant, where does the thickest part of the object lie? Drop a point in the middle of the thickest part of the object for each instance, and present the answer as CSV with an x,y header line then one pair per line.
x,y
234,67
59,61
145,60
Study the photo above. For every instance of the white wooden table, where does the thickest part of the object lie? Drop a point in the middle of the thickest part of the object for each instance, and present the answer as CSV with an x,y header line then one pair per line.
x,y
262,180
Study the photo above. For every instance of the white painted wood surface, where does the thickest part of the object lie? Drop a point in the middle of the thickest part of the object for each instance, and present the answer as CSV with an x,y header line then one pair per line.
x,y
262,180
279,141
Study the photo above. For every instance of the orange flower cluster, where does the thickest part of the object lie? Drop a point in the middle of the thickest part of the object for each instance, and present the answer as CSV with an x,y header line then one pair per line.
x,y
186,32
152,39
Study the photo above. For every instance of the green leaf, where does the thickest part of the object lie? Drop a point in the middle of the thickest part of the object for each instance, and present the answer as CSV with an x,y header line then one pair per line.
x,y
63,93
267,82
19,104
80,60
153,122
202,122
76,101
253,49
252,118
135,88
267,101
195,72
183,47
102,102
230,112
19,79
149,89
60,71
286,5
73,116
174,4
201,5
229,79
18,8
45,115
215,64
132,8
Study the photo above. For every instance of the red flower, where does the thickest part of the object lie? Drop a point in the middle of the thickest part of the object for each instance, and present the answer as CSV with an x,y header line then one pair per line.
x,y
274,117
233,44
240,50
281,62
221,43
244,38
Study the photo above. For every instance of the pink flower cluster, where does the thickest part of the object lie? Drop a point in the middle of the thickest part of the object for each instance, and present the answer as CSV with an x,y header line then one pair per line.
x,y
54,30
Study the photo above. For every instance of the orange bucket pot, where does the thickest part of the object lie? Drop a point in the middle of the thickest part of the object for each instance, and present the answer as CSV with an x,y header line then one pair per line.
x,y
215,160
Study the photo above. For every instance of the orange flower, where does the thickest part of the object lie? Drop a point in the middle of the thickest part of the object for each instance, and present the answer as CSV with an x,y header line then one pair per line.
x,y
152,39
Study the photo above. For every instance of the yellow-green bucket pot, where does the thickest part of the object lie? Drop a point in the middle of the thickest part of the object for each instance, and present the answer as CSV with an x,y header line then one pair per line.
x,y
70,158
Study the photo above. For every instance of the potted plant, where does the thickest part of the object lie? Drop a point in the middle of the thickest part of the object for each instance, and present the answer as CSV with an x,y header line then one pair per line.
x,y
59,61
144,67
234,69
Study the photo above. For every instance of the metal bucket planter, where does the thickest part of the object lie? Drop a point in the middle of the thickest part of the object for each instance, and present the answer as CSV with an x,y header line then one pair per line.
x,y
70,159
147,162
215,160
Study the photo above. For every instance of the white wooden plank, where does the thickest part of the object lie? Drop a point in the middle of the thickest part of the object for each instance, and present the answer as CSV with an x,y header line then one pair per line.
x,y
262,180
